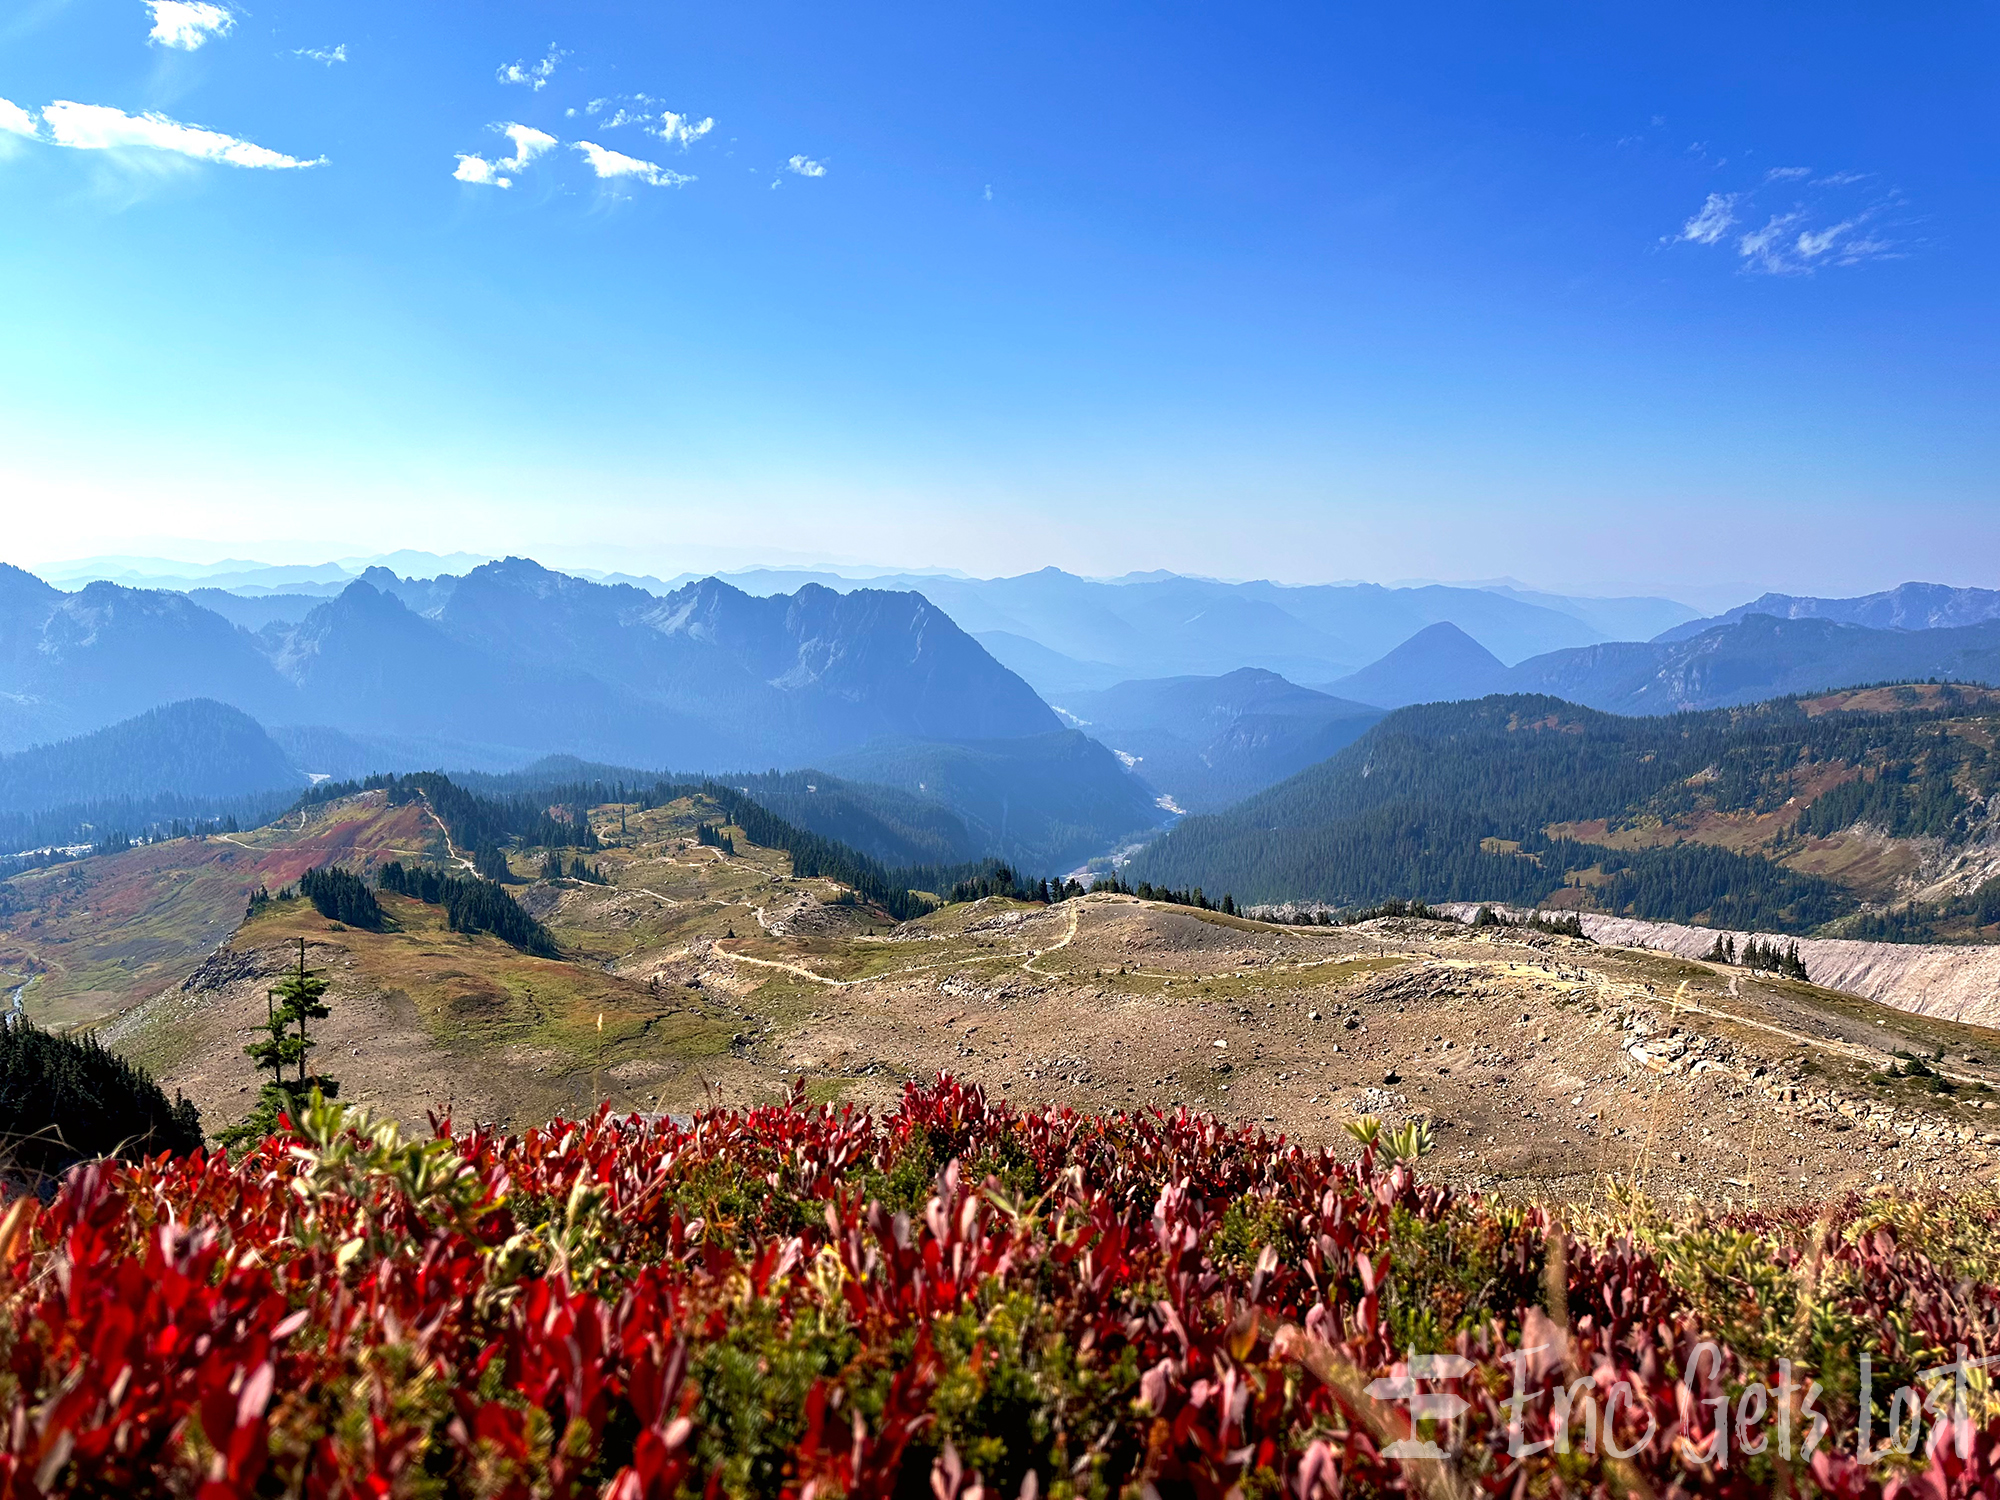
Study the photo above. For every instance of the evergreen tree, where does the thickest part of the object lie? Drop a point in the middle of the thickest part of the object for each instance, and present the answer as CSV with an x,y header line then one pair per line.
x,y
296,999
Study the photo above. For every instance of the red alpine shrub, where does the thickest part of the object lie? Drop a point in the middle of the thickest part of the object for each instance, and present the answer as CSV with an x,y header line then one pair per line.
x,y
959,1300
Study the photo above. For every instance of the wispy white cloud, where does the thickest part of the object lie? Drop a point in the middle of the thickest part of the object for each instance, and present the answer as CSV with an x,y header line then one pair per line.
x,y
536,74
1712,222
1782,247
1765,249
639,109
187,24
15,120
99,127
805,166
1822,226
327,55
616,164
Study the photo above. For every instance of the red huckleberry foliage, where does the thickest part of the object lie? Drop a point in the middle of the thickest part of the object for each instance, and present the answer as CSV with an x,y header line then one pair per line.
x,y
962,1301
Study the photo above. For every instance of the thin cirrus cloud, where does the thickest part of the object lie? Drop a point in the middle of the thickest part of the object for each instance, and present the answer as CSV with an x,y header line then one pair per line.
x,y
529,143
614,165
187,24
1714,220
326,55
533,75
99,127
1825,228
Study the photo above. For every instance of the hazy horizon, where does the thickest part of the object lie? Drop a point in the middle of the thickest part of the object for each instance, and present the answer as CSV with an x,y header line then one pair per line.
x,y
141,569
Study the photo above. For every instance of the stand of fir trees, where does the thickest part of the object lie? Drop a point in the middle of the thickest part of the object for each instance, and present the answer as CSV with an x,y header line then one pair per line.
x,y
553,868
1760,957
65,1099
285,1048
341,896
471,906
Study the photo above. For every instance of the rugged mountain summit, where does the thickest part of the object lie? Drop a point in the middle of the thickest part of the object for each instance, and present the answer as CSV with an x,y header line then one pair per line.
x,y
514,660
1908,606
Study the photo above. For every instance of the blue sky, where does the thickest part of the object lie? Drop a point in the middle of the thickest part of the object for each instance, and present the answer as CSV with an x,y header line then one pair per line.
x,y
1596,296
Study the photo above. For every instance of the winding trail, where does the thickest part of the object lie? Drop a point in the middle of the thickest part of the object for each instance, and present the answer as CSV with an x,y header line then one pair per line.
x,y
802,972
450,847
1028,963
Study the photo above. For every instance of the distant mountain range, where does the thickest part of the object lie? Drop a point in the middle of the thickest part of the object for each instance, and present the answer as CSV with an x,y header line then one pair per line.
x,y
917,682
1067,634
512,662
1170,626
1746,660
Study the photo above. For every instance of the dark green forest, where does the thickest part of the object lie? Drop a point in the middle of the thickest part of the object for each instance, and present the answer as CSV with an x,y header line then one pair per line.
x,y
66,1099
1452,802
341,896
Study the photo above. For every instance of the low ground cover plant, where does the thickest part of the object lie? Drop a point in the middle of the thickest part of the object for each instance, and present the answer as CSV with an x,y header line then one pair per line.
x,y
957,1299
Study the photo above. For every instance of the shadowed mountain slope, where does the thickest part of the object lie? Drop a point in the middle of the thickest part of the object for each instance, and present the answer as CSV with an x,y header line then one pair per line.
x,y
1756,658
197,749
1047,802
1207,741
1788,815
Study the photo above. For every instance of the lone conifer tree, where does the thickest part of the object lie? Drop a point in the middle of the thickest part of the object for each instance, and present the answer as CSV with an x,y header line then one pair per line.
x,y
289,1004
